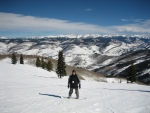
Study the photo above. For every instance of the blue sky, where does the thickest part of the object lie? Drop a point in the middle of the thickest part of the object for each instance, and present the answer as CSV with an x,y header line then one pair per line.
x,y
26,18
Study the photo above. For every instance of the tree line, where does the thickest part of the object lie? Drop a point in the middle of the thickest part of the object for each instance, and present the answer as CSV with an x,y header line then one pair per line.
x,y
61,71
41,62
14,59
45,65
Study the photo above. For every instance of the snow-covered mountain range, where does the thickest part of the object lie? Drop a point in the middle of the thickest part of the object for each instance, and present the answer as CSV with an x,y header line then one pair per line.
x,y
105,54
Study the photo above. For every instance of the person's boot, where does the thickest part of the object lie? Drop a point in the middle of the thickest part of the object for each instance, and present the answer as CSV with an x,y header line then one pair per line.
x,y
77,96
69,97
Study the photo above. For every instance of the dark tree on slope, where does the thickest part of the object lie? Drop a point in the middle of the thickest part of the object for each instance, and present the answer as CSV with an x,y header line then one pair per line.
x,y
43,63
21,59
61,71
13,59
49,66
132,74
38,62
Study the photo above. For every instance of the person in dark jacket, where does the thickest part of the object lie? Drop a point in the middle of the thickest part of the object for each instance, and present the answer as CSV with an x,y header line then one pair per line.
x,y
74,83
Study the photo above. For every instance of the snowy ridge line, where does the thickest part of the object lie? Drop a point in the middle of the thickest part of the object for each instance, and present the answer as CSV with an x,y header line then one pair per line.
x,y
81,36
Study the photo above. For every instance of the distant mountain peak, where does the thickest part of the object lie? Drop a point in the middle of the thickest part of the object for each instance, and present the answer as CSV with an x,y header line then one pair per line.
x,y
3,38
91,36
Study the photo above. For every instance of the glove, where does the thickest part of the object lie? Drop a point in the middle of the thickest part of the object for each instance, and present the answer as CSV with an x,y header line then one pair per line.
x,y
79,86
68,86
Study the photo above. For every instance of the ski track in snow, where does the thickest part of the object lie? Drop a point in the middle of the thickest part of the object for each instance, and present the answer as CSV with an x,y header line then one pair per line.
x,y
27,89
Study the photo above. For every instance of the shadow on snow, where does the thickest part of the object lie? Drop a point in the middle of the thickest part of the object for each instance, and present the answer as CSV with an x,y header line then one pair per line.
x,y
51,95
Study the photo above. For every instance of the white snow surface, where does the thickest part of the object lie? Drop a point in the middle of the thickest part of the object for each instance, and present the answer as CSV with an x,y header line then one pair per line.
x,y
28,89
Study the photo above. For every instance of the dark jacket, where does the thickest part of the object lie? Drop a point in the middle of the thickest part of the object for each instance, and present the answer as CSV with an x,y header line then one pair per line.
x,y
74,81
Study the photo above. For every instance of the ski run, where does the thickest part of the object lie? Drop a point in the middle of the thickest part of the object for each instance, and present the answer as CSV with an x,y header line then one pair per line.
x,y
28,89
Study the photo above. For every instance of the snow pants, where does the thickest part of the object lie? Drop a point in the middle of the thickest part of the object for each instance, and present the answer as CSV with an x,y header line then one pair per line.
x,y
76,92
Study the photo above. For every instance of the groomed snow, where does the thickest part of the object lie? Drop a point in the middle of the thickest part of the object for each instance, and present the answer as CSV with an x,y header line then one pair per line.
x,y
27,89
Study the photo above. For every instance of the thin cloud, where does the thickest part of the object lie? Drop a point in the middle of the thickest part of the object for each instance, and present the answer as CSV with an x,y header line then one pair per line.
x,y
89,9
133,20
29,24
137,20
140,28
124,20
9,21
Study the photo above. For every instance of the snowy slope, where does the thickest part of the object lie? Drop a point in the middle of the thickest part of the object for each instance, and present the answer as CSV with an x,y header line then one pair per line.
x,y
27,89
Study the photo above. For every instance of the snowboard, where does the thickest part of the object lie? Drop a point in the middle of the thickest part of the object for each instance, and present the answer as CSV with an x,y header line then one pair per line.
x,y
74,98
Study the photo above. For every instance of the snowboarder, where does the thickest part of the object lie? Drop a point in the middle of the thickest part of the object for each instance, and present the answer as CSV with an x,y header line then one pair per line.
x,y
74,83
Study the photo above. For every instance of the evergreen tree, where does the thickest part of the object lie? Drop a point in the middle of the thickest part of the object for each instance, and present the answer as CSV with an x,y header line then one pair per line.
x,y
38,62
43,63
21,59
13,59
49,66
132,73
61,65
